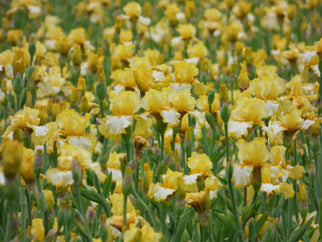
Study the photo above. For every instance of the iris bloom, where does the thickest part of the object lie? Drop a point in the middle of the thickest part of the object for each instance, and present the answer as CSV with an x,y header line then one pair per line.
x,y
248,112
117,209
123,107
145,233
173,182
252,157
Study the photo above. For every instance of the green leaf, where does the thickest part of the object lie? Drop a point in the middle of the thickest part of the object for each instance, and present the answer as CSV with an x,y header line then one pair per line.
x,y
320,218
260,222
107,185
227,219
185,217
249,211
299,232
93,195
82,225
210,119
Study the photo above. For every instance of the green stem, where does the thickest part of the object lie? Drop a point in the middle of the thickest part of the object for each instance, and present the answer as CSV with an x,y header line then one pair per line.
x,y
17,103
234,207
226,143
162,146
101,109
124,210
46,222
78,199
295,201
147,209
245,196
173,140
9,224
203,233
29,207
295,157
23,215
183,161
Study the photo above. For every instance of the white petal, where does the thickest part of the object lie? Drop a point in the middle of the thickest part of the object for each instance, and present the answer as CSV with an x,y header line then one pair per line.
x,y
40,130
83,142
116,174
175,41
98,148
50,44
237,129
34,9
274,128
2,96
269,188
170,116
161,193
116,124
180,86
271,107
308,123
143,20
316,70
241,175
193,60
158,76
180,16
2,179
200,117
307,56
68,178
190,179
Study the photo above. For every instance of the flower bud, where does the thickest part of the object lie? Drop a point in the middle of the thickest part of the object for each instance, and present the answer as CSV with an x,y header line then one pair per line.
x,y
63,46
92,62
17,134
74,98
26,169
32,51
243,80
101,74
84,105
127,181
200,201
190,9
118,23
223,91
90,214
49,199
211,98
38,161
77,171
17,85
101,91
4,86
14,36
147,8
4,22
11,158
225,113
81,84
77,55
291,11
19,62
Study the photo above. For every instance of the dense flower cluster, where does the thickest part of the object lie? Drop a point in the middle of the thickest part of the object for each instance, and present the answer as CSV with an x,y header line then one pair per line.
x,y
166,120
